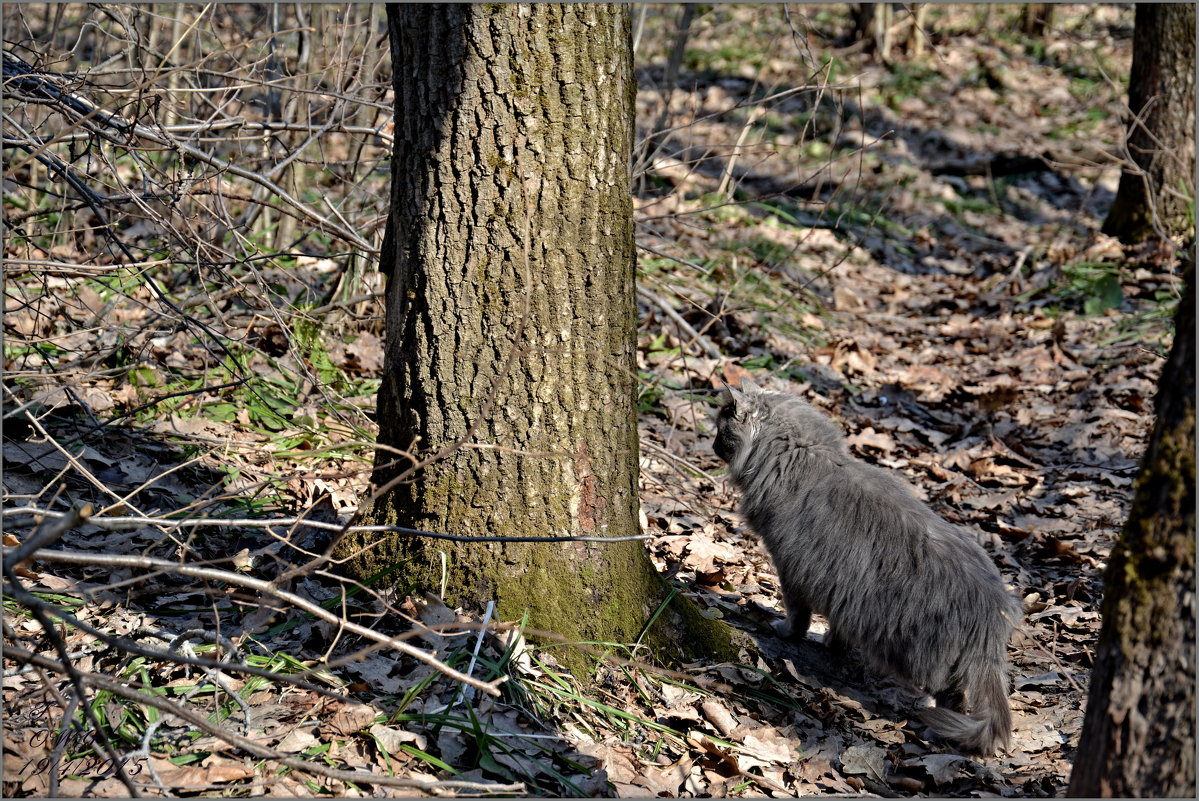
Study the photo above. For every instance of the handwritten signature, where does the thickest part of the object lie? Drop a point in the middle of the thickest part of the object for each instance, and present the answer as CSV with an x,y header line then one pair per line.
x,y
69,740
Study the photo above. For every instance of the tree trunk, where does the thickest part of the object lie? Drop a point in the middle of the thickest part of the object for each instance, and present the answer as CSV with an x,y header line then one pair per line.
x,y
1159,193
510,322
1138,737
918,34
1035,18
872,23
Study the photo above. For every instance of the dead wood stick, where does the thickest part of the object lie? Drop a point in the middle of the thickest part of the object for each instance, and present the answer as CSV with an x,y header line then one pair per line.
x,y
266,588
248,745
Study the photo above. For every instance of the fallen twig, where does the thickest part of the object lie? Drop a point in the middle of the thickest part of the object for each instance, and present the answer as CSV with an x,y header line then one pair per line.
x,y
683,325
266,588
248,745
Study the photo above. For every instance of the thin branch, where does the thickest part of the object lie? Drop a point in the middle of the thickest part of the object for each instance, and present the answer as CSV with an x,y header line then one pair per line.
x,y
250,746
47,533
220,125
266,588
685,326
678,461
133,647
84,112
127,522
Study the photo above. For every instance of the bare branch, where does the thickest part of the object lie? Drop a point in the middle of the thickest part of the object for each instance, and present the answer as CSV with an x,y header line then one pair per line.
x,y
250,746
127,522
266,588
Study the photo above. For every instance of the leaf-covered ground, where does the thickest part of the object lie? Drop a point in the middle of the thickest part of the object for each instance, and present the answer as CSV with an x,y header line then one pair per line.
x,y
980,338
912,248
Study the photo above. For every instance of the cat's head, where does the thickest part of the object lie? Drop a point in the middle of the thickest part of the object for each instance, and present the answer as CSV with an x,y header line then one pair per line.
x,y
750,412
739,419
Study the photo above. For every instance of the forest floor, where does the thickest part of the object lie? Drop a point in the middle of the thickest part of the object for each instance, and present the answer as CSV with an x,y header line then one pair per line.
x,y
912,248
974,334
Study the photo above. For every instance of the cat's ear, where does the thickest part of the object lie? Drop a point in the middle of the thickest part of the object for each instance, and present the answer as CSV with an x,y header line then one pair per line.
x,y
734,396
748,387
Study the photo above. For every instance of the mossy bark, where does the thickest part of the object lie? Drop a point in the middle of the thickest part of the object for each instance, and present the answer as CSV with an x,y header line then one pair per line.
x,y
510,316
1138,737
1159,194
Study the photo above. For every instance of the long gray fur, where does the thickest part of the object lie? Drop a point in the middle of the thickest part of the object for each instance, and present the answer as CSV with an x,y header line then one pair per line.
x,y
916,594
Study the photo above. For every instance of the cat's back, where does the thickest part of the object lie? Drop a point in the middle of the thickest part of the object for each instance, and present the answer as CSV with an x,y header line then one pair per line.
x,y
803,425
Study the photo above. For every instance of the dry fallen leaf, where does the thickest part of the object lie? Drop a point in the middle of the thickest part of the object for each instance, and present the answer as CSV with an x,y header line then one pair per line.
x,y
869,438
865,759
767,745
719,716
941,768
734,374
297,740
687,413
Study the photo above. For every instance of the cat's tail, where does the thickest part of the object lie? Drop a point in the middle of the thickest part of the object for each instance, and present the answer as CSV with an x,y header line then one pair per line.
x,y
989,725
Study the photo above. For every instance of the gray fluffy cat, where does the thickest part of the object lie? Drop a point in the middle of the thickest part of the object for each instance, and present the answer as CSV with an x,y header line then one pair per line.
x,y
917,595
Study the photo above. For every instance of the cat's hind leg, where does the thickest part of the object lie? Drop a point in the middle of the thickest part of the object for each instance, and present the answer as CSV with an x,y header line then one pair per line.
x,y
951,698
835,643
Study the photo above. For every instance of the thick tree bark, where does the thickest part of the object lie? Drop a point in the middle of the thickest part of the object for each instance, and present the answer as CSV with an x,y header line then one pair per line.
x,y
1138,737
1161,136
510,317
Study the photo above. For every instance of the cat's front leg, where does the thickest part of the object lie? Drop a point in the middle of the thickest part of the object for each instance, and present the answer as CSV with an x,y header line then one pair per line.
x,y
794,626
799,616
